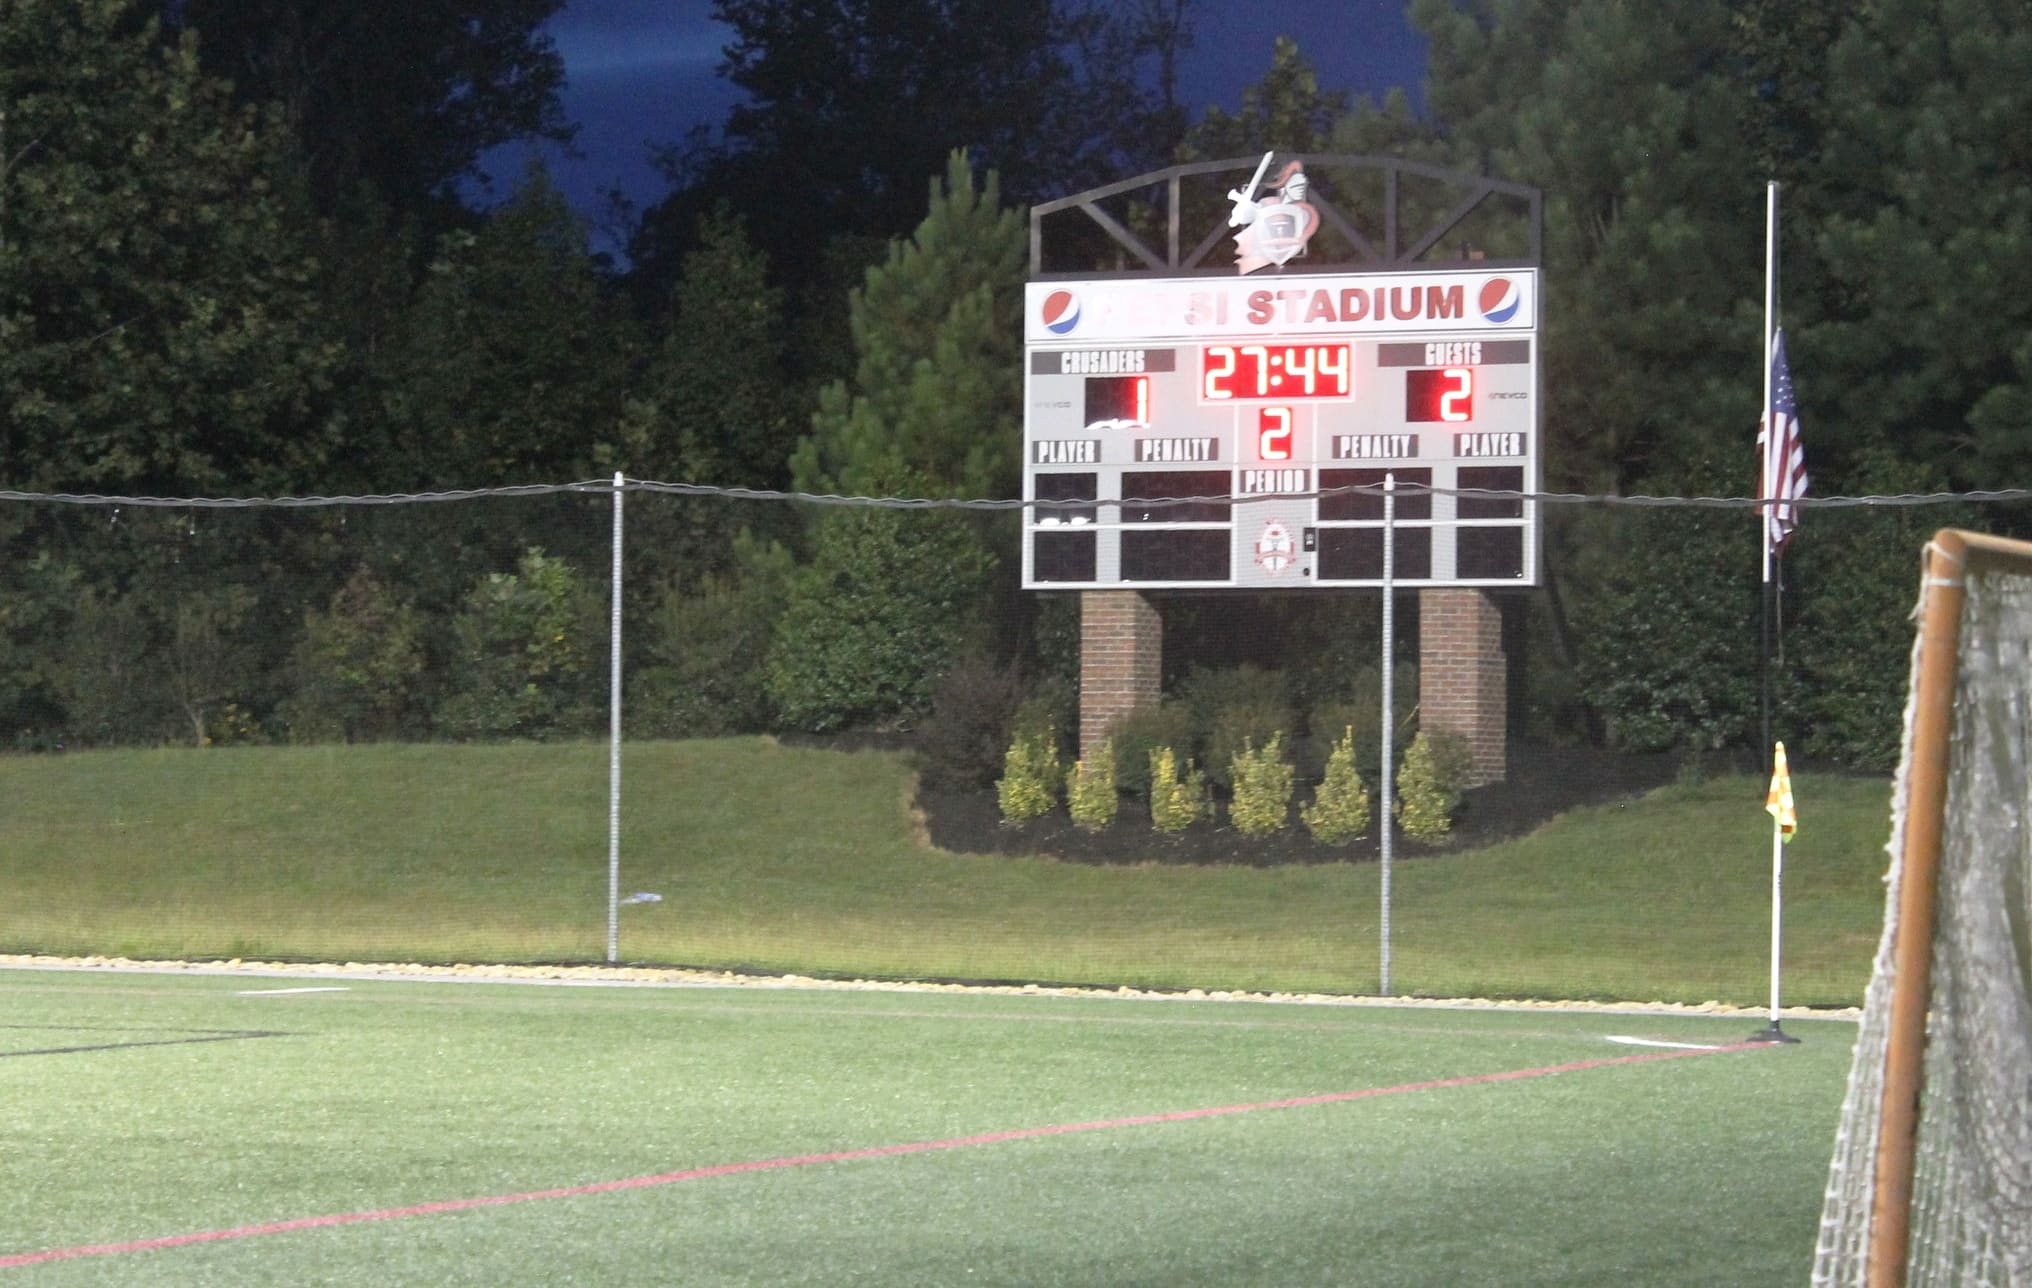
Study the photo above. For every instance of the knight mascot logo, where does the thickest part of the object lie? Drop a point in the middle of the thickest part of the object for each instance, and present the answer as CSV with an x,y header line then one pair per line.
x,y
1275,550
1276,226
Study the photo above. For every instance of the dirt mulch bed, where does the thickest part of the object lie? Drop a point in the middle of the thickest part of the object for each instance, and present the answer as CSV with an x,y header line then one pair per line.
x,y
1542,782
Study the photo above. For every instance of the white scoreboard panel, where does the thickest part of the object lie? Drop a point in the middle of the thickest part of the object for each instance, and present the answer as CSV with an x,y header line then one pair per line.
x,y
1253,407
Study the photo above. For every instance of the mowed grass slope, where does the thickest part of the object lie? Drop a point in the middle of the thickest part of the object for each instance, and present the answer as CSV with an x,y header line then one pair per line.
x,y
787,859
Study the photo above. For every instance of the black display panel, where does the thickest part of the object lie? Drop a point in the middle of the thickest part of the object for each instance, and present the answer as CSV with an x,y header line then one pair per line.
x,y
1191,555
1356,554
1064,487
1118,398
1484,553
1154,485
1063,556
1442,396
1368,507
1491,478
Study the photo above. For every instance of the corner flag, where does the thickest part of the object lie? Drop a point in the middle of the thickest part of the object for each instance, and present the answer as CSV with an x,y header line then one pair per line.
x,y
1778,803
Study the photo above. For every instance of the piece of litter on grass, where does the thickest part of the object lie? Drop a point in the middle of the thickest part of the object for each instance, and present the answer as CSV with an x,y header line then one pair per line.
x,y
643,896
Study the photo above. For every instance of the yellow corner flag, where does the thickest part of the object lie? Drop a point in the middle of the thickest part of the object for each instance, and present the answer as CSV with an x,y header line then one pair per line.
x,y
1778,804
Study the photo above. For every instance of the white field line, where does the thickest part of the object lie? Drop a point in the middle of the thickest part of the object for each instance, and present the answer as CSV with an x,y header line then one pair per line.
x,y
1648,1042
277,992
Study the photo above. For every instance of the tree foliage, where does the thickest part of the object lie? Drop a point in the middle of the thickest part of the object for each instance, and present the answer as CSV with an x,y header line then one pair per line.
x,y
402,96
937,385
158,326
1287,110
850,107
512,365
716,404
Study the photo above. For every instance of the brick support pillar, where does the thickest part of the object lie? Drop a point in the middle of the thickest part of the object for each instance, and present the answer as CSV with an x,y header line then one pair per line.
x,y
1121,656
1463,676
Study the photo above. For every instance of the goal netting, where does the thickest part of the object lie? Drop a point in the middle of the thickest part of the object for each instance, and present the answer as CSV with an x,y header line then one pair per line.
x,y
1931,1181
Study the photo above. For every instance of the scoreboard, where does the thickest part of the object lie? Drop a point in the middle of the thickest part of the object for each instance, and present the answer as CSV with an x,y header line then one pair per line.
x,y
1219,432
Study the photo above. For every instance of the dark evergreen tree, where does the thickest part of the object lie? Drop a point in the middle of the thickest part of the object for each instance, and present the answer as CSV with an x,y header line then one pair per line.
x,y
937,387
513,362
716,403
400,95
851,107
158,325
1923,342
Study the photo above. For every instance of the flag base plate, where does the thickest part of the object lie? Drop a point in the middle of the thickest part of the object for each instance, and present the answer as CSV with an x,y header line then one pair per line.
x,y
1772,1033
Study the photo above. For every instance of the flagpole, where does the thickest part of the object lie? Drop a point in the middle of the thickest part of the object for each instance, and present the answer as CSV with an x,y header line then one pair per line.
x,y
1779,802
1768,475
1768,488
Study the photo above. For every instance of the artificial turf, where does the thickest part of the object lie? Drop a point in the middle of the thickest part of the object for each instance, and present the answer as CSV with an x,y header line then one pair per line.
x,y
139,1108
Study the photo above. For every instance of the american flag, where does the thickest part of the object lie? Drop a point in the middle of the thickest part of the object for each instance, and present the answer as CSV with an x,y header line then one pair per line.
x,y
1782,419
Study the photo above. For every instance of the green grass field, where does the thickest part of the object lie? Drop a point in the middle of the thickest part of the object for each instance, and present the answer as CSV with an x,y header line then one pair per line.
x,y
447,1133
781,859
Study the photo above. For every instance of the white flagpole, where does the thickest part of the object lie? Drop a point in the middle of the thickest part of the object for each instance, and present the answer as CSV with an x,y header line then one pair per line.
x,y
1777,908
1770,472
1768,485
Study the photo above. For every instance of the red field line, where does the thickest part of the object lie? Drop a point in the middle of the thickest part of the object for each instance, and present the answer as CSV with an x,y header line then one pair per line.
x,y
843,1156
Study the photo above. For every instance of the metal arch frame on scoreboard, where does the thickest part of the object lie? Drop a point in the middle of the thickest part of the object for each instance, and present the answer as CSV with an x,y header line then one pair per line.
x,y
1393,245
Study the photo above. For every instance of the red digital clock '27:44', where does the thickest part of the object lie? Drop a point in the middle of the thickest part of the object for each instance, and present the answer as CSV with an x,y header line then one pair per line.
x,y
1243,372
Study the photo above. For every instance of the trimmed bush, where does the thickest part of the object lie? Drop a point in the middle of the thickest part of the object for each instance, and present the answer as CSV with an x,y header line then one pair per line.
x,y
973,719
1090,795
1430,784
1029,784
1233,708
1263,779
701,669
1178,796
888,601
1340,804
1362,713
526,655
1135,738
357,666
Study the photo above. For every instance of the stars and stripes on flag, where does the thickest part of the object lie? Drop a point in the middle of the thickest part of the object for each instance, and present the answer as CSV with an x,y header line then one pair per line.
x,y
1784,470
1778,802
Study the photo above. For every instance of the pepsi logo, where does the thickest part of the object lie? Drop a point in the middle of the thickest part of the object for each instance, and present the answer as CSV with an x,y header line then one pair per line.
x,y
1500,299
1061,312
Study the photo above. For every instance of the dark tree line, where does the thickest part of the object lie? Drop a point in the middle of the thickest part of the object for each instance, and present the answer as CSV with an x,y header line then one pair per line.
x,y
234,259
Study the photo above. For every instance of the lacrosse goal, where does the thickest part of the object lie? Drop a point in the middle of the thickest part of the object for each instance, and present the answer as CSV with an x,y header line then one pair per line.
x,y
1932,1175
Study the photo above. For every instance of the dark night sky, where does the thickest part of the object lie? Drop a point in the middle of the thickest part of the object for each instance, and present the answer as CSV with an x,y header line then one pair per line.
x,y
643,71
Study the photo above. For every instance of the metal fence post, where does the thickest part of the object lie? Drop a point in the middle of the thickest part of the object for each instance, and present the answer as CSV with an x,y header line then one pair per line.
x,y
1389,714
614,739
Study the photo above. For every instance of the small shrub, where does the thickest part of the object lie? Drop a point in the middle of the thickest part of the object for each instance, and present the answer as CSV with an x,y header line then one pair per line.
x,y
357,666
1232,708
704,648
1237,728
1363,713
1429,785
1166,725
1178,797
1263,780
526,653
1340,804
1090,795
973,718
1052,704
886,604
1029,784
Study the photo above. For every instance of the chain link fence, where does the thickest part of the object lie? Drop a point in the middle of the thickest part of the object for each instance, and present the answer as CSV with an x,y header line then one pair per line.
x,y
634,722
